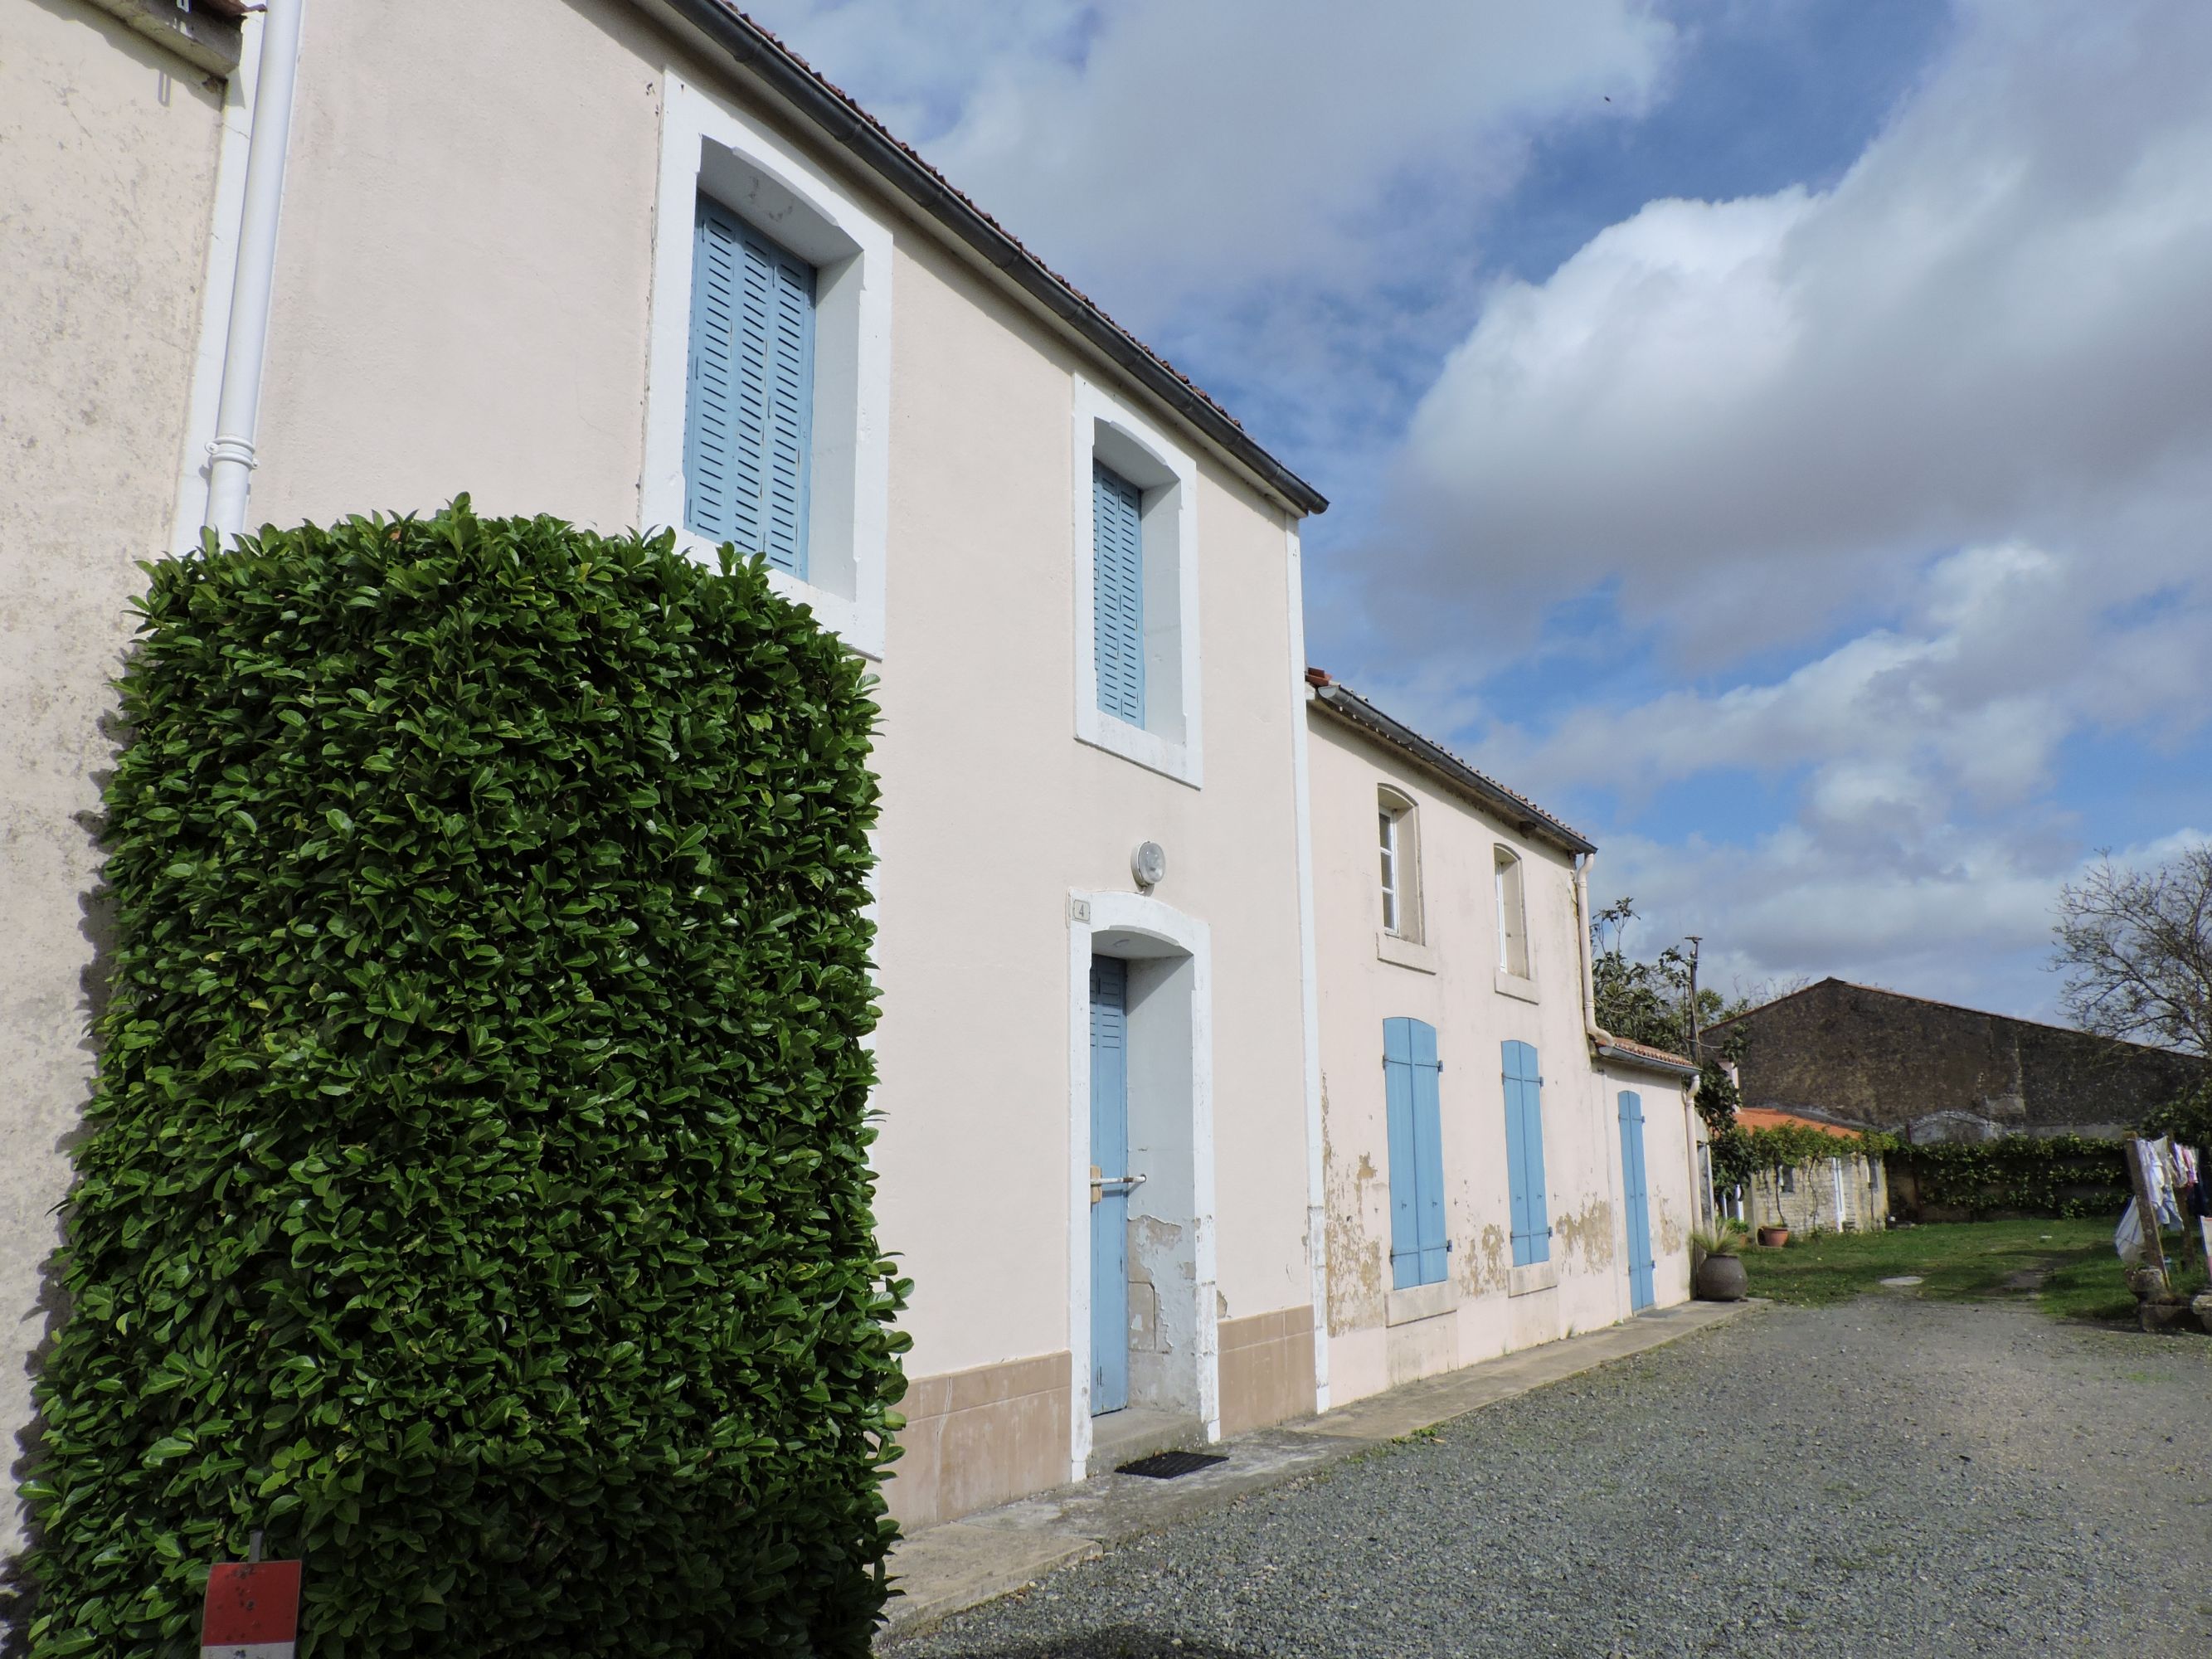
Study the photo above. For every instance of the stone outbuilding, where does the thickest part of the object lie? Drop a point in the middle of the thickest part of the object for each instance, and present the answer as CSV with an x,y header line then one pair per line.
x,y
1848,1192
1922,1070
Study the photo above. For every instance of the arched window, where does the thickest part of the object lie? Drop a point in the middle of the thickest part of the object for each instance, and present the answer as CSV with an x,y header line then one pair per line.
x,y
1399,833
1512,917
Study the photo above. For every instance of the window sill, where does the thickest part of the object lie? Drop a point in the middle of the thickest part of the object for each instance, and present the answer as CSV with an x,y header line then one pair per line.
x,y
1514,985
1155,753
1419,1302
1536,1276
860,628
1405,952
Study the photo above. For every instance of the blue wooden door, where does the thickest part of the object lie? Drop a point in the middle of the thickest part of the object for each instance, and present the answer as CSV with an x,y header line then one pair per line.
x,y
1639,1198
1110,1189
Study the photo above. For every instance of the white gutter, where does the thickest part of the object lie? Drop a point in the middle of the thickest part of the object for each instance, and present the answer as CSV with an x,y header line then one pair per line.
x,y
231,455
1309,970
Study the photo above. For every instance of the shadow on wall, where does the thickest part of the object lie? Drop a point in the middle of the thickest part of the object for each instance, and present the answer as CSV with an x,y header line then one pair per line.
x,y
18,1594
1114,1642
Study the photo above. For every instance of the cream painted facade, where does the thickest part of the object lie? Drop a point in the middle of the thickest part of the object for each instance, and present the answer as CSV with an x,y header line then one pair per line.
x,y
1440,961
108,150
481,284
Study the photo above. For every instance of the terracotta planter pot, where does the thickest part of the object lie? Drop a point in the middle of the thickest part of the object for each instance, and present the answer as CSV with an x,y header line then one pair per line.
x,y
1774,1237
1720,1278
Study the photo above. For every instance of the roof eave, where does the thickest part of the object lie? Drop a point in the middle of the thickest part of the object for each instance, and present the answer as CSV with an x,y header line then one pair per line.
x,y
1532,821
1617,1056
842,121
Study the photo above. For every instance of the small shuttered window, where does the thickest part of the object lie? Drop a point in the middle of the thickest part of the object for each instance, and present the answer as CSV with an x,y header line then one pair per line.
x,y
1118,593
1410,1092
749,409
1524,1155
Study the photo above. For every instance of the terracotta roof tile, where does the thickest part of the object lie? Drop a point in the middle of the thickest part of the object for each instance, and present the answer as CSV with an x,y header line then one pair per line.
x,y
1766,1117
1649,1052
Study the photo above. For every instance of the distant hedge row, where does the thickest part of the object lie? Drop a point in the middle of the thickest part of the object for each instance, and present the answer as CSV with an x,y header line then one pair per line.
x,y
476,1196
2055,1176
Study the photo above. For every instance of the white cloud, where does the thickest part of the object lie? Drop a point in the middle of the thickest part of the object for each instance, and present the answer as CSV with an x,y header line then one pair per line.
x,y
1154,150
1953,416
1754,413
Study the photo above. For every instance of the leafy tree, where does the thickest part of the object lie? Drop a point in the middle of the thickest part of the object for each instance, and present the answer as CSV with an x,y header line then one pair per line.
x,y
2188,1118
2136,946
1646,1001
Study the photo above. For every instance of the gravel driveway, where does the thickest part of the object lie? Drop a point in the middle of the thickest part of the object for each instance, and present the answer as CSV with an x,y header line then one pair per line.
x,y
1887,1476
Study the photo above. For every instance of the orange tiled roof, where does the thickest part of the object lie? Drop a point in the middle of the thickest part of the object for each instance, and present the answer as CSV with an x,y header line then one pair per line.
x,y
1766,1117
1650,1052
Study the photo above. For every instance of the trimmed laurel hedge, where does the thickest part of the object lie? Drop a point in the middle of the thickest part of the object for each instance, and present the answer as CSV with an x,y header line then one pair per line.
x,y
475,1193
2055,1176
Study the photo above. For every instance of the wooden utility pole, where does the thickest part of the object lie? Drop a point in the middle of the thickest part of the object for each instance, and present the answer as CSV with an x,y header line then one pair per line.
x,y
1697,1057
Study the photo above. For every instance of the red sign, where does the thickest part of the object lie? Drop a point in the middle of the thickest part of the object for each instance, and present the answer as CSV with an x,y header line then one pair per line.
x,y
252,1611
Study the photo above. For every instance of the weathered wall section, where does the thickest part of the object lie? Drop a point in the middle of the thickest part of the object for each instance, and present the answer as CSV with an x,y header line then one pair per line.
x,y
1380,1337
1850,1054
107,156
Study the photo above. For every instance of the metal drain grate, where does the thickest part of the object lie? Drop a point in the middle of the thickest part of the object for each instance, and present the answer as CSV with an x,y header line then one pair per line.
x,y
1166,1466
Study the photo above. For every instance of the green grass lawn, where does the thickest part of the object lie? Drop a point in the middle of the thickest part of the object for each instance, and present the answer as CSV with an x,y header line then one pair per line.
x,y
1962,1260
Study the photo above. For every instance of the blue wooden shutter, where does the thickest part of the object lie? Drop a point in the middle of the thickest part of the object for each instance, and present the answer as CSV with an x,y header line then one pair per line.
x,y
1417,1235
749,415
1428,1152
1117,555
1524,1155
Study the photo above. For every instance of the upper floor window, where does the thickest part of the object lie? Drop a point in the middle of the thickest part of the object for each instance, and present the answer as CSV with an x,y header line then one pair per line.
x,y
767,374
1137,582
1512,917
1117,576
1399,831
750,394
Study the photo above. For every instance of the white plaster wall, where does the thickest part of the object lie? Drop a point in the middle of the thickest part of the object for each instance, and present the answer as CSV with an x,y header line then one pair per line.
x,y
1670,1132
1474,1019
464,263
993,813
462,303
107,150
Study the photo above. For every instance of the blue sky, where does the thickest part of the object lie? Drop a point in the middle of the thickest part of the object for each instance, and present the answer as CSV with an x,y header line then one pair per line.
x,y
1778,436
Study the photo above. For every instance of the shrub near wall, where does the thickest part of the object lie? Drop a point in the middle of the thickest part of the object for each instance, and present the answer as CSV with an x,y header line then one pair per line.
x,y
476,1194
2055,1176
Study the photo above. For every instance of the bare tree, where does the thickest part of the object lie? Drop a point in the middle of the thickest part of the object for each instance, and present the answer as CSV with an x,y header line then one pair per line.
x,y
2136,946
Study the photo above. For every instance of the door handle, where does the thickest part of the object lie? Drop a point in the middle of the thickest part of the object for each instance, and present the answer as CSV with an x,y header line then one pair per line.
x,y
1122,1184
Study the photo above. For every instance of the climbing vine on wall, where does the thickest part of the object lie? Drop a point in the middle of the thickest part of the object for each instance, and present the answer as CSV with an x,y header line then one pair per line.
x,y
2055,1176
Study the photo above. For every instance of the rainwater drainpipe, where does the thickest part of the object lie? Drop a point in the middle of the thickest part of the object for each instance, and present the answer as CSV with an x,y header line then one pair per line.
x,y
1597,1032
230,456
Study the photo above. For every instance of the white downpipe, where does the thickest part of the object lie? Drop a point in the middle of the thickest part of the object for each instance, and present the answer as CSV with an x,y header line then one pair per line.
x,y
231,455
1309,970
1587,949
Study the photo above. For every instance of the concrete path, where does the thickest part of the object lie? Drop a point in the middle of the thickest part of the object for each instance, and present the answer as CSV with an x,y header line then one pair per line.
x,y
945,1569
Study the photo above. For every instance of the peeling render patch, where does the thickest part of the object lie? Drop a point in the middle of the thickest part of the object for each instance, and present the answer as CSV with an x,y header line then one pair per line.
x,y
1357,1267
1589,1233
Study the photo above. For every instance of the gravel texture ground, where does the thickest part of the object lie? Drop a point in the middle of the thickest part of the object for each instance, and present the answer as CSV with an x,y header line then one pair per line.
x,y
1886,1476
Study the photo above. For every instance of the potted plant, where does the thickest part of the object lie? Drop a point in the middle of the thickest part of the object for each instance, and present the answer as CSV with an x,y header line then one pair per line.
x,y
1716,1271
1773,1236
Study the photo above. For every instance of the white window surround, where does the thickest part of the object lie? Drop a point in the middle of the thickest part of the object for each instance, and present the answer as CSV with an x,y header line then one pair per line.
x,y
1516,985
1527,1280
1106,430
1420,1302
1401,952
1139,928
708,147
1515,960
